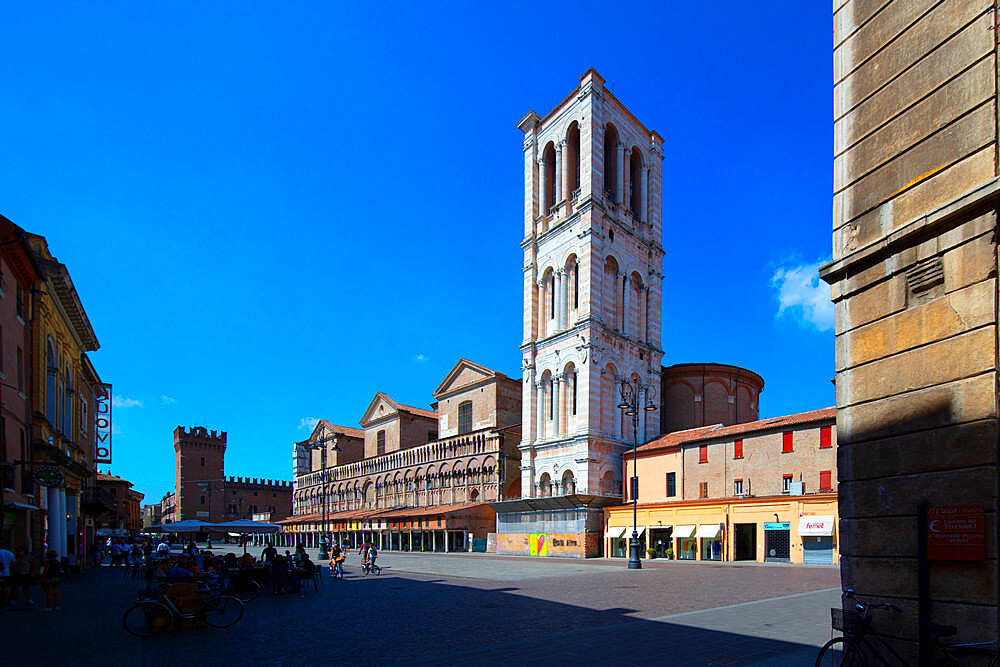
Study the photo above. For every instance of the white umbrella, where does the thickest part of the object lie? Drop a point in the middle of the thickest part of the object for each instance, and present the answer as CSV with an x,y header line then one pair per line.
x,y
244,527
188,526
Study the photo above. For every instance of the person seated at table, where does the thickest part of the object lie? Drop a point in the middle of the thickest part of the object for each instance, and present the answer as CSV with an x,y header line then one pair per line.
x,y
246,560
229,561
300,552
279,574
178,572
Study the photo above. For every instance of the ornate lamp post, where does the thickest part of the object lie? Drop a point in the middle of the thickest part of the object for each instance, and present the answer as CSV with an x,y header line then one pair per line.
x,y
631,401
320,444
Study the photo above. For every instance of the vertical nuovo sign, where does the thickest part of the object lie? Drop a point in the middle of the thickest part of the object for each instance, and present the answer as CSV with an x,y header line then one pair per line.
x,y
102,423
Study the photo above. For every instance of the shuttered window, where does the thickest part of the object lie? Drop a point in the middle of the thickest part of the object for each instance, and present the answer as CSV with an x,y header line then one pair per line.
x,y
825,480
824,437
671,484
786,441
738,449
702,453
703,490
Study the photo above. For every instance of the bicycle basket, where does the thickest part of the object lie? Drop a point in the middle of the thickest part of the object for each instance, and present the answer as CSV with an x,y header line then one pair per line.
x,y
845,620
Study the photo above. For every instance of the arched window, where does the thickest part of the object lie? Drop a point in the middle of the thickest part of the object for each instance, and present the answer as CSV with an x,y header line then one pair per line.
x,y
573,158
610,292
609,399
635,182
51,371
549,180
545,485
611,162
67,406
465,417
380,443
568,483
610,486
636,307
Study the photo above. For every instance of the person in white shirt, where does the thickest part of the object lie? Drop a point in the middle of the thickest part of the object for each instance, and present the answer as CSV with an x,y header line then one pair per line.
x,y
6,558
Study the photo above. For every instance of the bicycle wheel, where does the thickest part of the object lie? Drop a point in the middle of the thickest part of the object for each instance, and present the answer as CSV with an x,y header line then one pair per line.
x,y
145,619
377,570
840,652
978,656
245,591
222,611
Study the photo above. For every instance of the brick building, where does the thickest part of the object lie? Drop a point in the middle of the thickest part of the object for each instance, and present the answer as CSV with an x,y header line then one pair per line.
x,y
204,493
763,490
125,513
702,394
411,478
913,276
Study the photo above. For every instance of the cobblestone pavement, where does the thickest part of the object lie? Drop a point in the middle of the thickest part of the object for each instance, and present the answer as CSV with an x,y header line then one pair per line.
x,y
444,609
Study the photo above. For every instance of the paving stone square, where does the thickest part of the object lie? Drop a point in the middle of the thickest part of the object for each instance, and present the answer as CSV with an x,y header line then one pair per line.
x,y
447,609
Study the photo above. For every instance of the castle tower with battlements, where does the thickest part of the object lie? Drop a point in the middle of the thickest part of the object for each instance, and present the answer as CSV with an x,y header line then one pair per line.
x,y
200,456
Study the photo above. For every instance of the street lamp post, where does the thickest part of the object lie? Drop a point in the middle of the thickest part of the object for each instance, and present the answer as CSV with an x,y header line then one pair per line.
x,y
631,401
320,444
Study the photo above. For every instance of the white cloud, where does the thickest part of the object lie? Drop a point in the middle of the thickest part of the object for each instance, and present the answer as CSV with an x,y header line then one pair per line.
x,y
421,357
166,399
120,402
308,423
803,295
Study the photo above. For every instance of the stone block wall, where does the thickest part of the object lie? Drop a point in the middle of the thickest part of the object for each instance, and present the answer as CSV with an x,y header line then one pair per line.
x,y
914,287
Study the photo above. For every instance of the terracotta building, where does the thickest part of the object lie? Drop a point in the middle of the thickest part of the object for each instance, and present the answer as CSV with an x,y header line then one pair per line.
x,y
763,490
411,478
204,493
125,515
20,516
701,394
913,276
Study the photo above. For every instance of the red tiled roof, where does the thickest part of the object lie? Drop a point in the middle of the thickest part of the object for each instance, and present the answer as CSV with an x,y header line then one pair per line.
x,y
343,430
418,411
719,431
113,479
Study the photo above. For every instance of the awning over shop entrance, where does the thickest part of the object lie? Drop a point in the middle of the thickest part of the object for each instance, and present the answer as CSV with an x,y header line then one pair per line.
x,y
683,531
614,533
708,531
816,526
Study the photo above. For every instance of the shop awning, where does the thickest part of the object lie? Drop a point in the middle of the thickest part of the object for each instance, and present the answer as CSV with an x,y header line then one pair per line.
x,y
18,505
638,529
683,531
708,531
816,526
614,533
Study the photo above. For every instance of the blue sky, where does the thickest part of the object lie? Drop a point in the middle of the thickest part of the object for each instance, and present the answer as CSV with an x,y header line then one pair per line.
x,y
271,211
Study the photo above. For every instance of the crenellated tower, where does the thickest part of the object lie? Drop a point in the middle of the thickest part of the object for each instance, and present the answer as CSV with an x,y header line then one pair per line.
x,y
593,259
200,456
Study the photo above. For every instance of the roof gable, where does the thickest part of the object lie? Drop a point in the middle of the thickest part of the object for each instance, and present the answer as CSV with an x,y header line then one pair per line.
x,y
381,407
462,374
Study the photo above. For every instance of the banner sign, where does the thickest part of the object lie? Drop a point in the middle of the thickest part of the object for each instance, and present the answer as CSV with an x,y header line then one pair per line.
x,y
49,476
956,532
102,423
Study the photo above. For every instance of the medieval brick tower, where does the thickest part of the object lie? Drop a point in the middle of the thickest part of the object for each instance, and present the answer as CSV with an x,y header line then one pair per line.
x,y
593,260
200,473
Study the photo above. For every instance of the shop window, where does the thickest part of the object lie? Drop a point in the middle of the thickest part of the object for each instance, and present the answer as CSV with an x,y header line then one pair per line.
x,y
786,441
737,487
786,483
738,449
824,437
702,453
825,480
703,490
671,484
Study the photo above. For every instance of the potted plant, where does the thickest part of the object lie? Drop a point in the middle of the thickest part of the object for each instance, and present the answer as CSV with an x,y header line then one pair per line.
x,y
651,553
670,553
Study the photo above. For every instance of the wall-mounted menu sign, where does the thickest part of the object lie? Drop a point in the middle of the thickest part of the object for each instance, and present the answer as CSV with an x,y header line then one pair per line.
x,y
956,532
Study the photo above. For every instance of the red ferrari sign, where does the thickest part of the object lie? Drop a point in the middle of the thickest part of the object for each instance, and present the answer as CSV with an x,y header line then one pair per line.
x,y
956,532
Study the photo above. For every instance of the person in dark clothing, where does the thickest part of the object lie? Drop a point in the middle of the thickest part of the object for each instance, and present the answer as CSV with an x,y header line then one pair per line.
x,y
269,553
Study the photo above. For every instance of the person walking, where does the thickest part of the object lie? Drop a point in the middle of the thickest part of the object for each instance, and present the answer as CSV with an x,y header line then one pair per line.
x,y
51,576
6,558
22,570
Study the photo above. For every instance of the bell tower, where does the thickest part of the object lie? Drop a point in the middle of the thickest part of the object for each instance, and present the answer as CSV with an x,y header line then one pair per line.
x,y
593,259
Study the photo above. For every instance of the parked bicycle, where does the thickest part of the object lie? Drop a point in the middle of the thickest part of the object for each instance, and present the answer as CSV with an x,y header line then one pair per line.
x,y
243,588
151,616
861,644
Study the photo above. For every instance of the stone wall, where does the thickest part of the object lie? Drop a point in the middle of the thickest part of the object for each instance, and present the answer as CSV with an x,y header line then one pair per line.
x,y
914,288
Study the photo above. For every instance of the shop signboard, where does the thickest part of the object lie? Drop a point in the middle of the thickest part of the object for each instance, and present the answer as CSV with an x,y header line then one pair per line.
x,y
777,526
956,532
102,422
49,476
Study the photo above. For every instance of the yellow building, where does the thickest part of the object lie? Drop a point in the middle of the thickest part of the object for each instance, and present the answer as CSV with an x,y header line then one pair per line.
x,y
762,491
64,391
